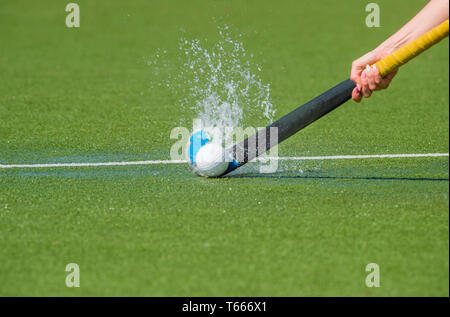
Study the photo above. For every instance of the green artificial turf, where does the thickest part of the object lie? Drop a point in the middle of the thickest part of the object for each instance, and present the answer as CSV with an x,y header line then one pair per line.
x,y
310,229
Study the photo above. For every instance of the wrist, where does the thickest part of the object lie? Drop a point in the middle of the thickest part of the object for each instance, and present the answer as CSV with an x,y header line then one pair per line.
x,y
382,51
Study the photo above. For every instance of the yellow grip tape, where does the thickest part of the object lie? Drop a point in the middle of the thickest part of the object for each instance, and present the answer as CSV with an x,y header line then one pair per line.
x,y
412,49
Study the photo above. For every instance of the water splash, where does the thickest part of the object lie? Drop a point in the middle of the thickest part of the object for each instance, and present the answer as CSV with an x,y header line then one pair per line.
x,y
220,83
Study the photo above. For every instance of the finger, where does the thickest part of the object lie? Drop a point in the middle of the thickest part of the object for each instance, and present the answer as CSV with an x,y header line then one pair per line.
x,y
386,81
366,92
371,81
356,78
356,93
377,78
391,75
355,74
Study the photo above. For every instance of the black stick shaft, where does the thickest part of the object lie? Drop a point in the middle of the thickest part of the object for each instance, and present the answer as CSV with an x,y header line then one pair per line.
x,y
291,123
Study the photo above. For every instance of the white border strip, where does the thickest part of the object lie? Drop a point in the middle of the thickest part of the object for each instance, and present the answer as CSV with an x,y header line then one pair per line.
x,y
286,158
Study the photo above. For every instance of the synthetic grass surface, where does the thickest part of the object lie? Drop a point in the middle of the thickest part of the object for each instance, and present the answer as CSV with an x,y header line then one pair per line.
x,y
82,95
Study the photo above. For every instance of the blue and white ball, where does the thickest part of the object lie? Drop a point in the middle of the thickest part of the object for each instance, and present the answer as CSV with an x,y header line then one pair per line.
x,y
205,157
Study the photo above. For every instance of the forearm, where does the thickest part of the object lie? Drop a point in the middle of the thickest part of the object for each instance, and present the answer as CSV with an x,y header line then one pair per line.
x,y
433,14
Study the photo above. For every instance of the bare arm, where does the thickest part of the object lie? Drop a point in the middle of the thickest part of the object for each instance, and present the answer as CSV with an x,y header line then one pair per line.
x,y
368,79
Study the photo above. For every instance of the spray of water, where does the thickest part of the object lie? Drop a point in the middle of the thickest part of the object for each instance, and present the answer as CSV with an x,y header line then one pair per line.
x,y
220,84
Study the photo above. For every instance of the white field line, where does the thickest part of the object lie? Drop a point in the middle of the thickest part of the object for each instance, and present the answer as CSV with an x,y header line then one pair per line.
x,y
351,157
286,158
93,164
